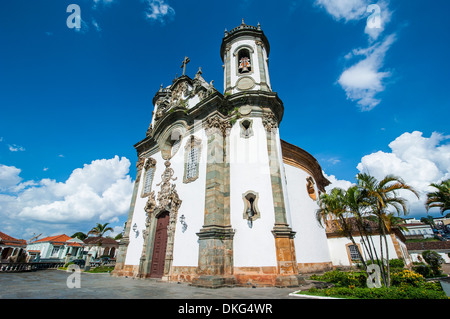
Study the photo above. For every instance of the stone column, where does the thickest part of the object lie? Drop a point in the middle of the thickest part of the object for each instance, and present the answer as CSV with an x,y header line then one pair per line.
x,y
215,265
287,268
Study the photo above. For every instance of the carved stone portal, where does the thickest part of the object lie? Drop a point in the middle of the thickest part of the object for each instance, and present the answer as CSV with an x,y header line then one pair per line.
x,y
166,201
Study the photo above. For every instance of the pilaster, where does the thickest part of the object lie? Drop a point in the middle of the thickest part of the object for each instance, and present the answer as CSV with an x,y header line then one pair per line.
x,y
215,265
284,236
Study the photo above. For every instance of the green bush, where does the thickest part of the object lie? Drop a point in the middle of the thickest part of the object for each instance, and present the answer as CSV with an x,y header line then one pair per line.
x,y
423,269
396,263
379,293
434,260
343,279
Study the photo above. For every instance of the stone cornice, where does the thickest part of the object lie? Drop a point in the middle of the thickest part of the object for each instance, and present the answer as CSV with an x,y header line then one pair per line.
x,y
213,103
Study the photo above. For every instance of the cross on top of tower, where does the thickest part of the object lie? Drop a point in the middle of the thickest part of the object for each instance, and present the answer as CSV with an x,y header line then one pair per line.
x,y
183,65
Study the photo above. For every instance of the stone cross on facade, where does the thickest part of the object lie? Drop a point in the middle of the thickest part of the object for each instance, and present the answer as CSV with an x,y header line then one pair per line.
x,y
183,65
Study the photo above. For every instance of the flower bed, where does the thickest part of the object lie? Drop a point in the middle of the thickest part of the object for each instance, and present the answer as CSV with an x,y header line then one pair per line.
x,y
405,284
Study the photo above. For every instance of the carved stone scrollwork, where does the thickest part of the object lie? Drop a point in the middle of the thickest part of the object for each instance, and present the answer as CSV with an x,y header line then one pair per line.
x,y
149,130
270,122
150,206
151,162
140,164
216,124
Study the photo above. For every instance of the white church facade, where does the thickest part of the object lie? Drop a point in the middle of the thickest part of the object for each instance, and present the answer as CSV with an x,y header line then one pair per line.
x,y
219,198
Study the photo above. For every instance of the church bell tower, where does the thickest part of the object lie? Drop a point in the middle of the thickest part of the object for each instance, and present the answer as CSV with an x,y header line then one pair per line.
x,y
245,53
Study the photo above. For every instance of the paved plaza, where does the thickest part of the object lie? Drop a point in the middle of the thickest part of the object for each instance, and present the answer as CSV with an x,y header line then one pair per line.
x,y
53,284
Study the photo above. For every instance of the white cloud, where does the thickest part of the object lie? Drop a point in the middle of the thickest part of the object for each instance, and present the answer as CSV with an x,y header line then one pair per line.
x,y
363,80
334,182
16,148
159,10
96,25
344,9
419,160
384,17
98,192
9,177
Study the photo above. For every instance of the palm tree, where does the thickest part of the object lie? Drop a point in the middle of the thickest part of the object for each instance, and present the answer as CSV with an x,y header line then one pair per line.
x,y
99,231
381,196
439,198
358,208
333,207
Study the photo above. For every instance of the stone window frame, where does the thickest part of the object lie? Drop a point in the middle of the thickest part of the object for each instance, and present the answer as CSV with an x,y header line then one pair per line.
x,y
310,189
349,253
251,52
243,129
245,198
149,168
193,142
166,139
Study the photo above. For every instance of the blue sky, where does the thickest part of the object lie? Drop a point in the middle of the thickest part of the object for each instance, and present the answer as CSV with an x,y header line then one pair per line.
x,y
74,102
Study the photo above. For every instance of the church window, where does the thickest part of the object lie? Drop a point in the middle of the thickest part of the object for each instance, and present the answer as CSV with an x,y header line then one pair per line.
x,y
149,168
246,128
354,253
175,140
192,159
310,188
244,61
251,210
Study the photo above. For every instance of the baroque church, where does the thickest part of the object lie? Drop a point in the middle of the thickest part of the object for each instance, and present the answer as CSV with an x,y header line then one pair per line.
x,y
219,198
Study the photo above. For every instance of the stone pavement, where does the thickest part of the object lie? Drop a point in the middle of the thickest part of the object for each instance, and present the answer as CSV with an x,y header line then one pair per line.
x,y
52,284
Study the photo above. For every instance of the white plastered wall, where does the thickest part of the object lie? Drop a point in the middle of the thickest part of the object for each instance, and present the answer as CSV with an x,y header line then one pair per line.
x,y
310,238
249,171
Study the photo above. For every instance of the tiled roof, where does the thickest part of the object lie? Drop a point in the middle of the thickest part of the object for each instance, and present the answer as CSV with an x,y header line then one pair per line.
x,y
57,238
428,245
104,240
11,241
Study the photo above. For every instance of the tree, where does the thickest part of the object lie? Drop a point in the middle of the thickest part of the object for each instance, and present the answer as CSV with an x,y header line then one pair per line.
x,y
434,260
100,230
334,208
79,235
380,196
439,198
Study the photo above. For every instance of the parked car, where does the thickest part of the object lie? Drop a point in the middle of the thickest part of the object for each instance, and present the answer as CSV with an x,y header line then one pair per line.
x,y
79,262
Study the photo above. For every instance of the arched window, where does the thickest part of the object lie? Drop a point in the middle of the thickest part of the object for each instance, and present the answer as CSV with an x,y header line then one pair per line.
x,y
192,159
251,210
149,168
244,61
246,128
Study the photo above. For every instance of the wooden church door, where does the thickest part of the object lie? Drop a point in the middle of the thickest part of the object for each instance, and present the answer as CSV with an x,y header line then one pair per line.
x,y
159,246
